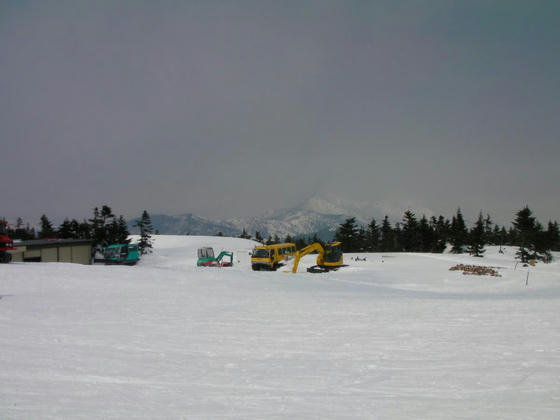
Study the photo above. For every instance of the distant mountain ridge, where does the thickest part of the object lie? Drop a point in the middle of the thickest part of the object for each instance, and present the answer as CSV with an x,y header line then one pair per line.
x,y
318,215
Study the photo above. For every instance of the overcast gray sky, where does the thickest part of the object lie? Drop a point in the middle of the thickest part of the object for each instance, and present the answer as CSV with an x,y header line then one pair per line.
x,y
231,108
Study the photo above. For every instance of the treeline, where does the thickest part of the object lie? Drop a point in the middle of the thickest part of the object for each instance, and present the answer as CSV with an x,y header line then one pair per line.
x,y
103,229
435,234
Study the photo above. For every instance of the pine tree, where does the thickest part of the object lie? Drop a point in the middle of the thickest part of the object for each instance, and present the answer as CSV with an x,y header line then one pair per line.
x,y
387,243
146,230
258,237
525,227
22,232
300,242
488,232
426,235
245,235
83,229
361,242
117,231
410,238
65,230
106,214
458,233
349,234
440,229
97,230
372,236
47,229
541,246
477,238
553,236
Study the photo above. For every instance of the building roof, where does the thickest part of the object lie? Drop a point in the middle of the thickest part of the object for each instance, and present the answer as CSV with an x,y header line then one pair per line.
x,y
43,243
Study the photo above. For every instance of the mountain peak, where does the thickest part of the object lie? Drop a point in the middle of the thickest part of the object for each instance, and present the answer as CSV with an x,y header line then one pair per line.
x,y
332,205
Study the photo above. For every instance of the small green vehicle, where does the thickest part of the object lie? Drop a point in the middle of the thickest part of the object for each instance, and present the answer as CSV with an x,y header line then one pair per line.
x,y
122,254
206,258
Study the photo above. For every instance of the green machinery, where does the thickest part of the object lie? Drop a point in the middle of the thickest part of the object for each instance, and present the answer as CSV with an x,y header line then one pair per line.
x,y
122,254
206,258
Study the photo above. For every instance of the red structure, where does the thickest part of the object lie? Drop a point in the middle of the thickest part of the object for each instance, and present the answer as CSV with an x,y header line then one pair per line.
x,y
6,244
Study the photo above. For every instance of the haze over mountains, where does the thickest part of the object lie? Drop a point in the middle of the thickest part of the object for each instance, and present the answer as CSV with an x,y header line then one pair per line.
x,y
320,214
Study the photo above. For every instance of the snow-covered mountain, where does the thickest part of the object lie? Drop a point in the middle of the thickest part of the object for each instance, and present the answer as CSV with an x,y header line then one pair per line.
x,y
318,215
187,224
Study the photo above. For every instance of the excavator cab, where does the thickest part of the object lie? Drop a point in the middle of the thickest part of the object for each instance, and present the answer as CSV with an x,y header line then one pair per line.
x,y
333,254
329,257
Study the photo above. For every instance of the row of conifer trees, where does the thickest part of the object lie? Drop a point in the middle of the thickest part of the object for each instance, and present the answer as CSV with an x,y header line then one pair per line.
x,y
435,234
103,228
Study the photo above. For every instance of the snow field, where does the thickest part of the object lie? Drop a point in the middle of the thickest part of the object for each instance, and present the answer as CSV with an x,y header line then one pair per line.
x,y
394,337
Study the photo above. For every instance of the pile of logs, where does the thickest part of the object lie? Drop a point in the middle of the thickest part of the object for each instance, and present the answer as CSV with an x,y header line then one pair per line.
x,y
477,270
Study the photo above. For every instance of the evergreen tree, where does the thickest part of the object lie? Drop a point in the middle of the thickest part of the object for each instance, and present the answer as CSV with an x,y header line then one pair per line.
x,y
440,229
21,231
106,213
525,226
117,231
258,237
458,233
146,230
300,242
65,230
349,234
495,237
553,236
397,232
541,245
488,232
97,230
426,235
387,243
410,238
372,236
512,237
289,239
83,229
361,243
476,238
245,235
47,229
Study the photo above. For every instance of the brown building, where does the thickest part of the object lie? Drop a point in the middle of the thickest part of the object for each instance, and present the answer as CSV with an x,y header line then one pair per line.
x,y
53,250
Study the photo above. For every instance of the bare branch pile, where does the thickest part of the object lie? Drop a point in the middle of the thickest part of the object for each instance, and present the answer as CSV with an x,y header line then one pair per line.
x,y
477,270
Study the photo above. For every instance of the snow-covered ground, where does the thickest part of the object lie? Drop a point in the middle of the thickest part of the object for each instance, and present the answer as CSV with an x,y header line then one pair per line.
x,y
397,336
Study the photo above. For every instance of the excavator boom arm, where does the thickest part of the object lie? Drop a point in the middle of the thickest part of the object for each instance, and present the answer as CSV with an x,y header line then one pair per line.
x,y
307,250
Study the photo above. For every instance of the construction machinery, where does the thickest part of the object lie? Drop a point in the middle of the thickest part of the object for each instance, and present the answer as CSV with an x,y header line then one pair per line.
x,y
206,258
329,257
270,257
121,254
6,243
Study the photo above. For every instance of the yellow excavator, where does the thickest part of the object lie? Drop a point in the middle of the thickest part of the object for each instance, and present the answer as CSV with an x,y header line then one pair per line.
x,y
329,258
